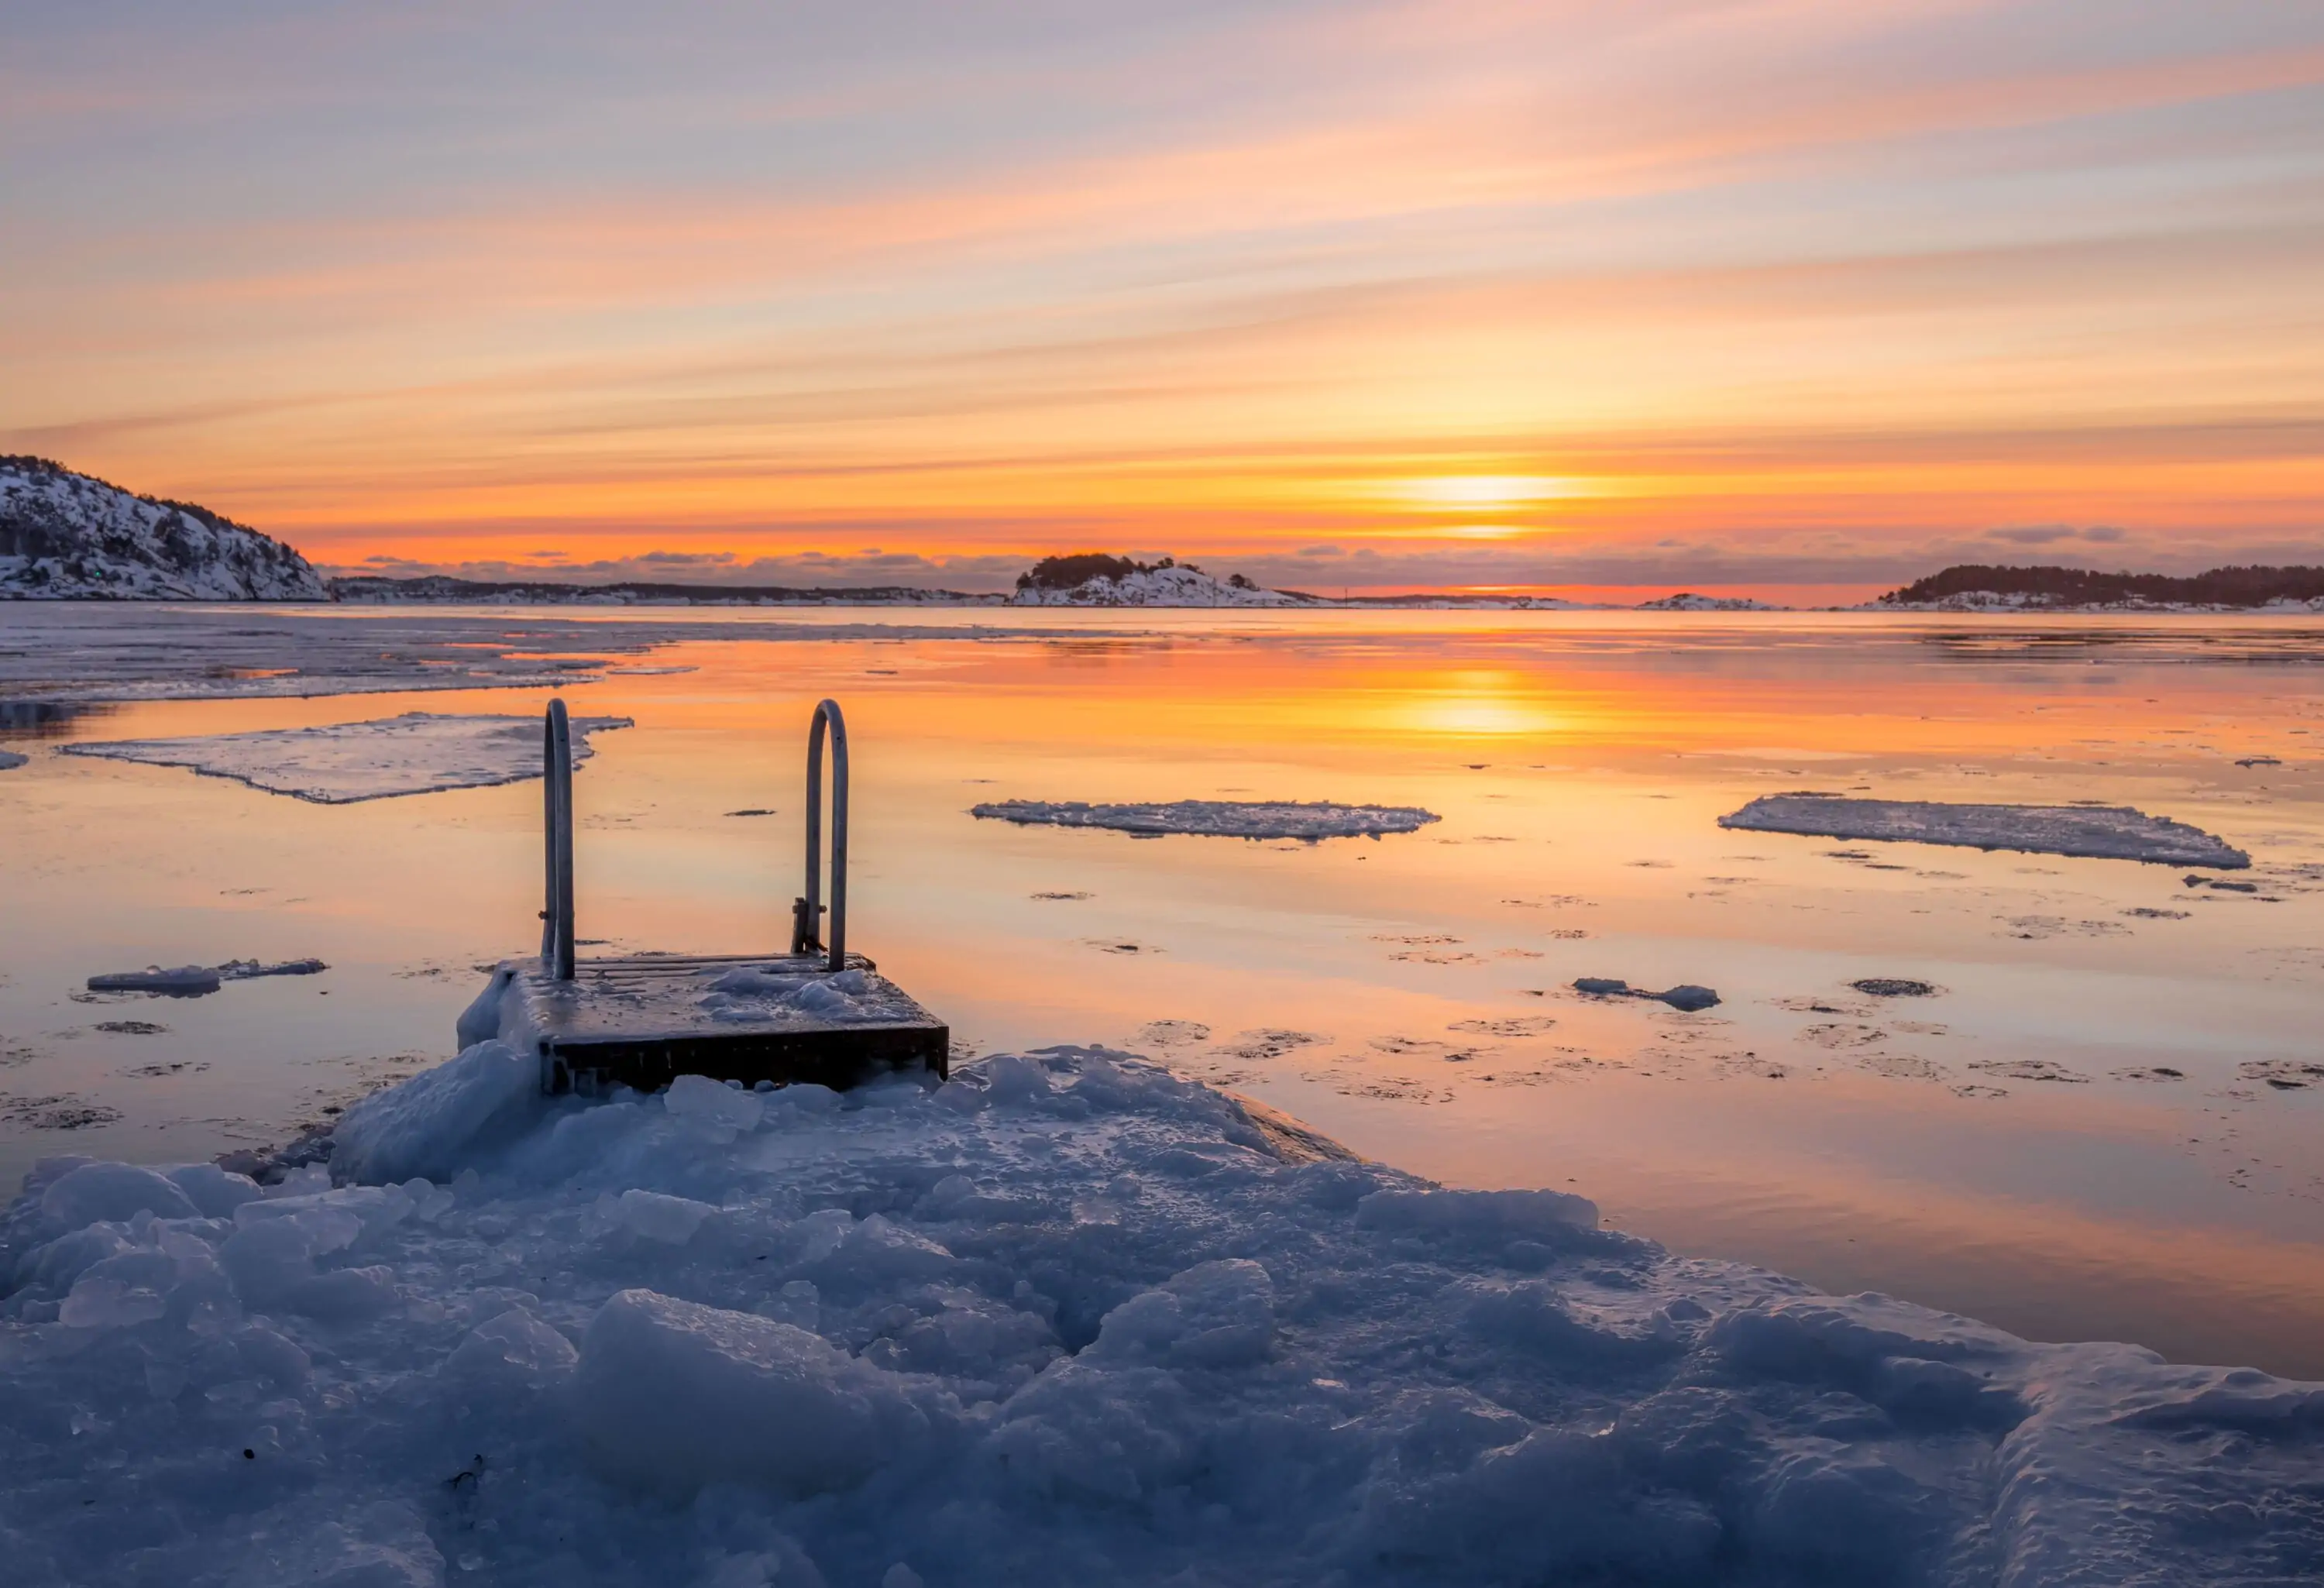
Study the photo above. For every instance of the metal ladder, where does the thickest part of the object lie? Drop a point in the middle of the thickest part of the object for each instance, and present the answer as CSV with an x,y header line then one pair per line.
x,y
807,911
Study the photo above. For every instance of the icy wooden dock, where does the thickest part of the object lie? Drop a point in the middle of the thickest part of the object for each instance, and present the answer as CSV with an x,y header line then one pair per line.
x,y
816,1013
642,1021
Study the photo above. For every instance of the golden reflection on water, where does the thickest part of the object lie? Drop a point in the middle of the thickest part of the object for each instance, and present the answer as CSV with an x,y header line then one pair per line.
x,y
1580,764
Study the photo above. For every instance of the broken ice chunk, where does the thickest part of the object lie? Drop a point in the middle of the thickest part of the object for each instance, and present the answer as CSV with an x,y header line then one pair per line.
x,y
187,981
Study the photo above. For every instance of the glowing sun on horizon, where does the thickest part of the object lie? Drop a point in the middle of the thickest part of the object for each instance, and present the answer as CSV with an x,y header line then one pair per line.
x,y
1469,493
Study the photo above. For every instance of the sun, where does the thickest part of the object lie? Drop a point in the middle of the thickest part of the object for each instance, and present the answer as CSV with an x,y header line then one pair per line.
x,y
1469,491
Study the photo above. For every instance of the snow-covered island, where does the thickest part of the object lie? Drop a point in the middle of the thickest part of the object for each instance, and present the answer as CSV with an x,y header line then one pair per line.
x,y
1985,587
67,536
1688,601
1092,578
1064,1319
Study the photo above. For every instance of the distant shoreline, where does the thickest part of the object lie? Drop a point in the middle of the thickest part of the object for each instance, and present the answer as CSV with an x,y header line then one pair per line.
x,y
591,599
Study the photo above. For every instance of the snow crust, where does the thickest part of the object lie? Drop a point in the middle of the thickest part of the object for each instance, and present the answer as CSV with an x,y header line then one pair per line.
x,y
418,753
65,536
755,995
1066,1319
2111,832
1218,819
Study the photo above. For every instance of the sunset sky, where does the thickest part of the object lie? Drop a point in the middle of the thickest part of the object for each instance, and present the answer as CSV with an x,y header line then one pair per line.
x,y
1802,296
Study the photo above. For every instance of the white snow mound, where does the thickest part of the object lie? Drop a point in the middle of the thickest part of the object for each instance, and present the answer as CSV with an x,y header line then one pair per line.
x,y
418,753
1065,1319
2110,832
1217,818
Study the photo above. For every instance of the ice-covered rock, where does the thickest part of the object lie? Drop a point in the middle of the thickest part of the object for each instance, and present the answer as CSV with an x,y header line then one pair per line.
x,y
66,536
1686,997
1216,818
1065,1319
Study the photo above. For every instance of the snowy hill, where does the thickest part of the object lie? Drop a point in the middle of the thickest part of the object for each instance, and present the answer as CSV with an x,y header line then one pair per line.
x,y
1687,601
1094,579
2048,588
65,536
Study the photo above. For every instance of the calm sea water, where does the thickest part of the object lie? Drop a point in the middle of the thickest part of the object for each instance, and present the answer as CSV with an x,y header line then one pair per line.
x,y
2004,1147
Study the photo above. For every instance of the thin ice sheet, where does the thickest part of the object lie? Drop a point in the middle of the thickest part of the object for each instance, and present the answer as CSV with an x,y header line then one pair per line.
x,y
1217,818
418,753
2104,832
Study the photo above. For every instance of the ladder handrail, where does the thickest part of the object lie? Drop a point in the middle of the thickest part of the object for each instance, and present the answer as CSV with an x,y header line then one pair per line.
x,y
557,823
805,937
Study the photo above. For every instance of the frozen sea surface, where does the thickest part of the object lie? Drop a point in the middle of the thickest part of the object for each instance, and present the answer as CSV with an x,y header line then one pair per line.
x,y
2097,832
1066,1319
66,652
418,753
1218,819
2098,1122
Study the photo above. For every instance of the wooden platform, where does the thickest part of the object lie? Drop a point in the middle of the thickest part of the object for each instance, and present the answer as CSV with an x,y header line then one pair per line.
x,y
643,1021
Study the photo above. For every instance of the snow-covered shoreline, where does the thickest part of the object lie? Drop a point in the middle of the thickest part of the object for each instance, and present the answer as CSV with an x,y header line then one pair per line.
x,y
1066,1319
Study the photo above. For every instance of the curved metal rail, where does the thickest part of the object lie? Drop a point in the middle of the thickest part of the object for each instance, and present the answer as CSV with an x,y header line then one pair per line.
x,y
557,823
556,915
807,909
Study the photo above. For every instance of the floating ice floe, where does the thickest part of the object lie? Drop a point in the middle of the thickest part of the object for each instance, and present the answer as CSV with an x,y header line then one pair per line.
x,y
1218,819
418,753
1066,1319
193,981
185,981
2106,832
1686,996
244,970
